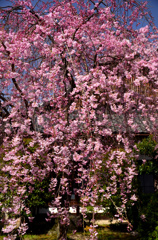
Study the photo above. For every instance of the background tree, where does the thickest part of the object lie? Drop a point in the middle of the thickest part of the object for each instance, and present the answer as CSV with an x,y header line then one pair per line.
x,y
75,75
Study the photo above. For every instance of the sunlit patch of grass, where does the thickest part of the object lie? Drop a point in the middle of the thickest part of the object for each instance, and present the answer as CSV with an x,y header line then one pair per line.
x,y
109,234
40,237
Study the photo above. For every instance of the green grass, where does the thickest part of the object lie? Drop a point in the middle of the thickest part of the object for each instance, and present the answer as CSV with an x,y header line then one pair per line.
x,y
108,234
37,237
40,237
114,232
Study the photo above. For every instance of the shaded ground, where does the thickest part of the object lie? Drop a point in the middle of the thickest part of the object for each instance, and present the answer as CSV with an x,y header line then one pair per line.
x,y
106,230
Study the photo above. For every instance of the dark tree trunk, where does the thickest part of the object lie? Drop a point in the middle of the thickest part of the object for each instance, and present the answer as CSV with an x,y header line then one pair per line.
x,y
78,210
62,231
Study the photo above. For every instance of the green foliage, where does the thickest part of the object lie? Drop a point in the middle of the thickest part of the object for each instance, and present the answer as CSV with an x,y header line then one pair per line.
x,y
90,208
40,195
148,215
144,215
147,147
26,142
154,235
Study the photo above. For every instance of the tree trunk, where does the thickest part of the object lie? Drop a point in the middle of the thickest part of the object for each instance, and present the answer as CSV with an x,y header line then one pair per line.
x,y
62,235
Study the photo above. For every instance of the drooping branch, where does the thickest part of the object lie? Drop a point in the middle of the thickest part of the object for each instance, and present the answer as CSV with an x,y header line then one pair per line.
x,y
14,80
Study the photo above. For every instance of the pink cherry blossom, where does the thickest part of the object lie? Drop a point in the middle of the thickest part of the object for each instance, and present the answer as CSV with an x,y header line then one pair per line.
x,y
77,82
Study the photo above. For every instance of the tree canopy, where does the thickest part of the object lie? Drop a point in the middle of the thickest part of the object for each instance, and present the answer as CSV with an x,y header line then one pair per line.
x,y
79,80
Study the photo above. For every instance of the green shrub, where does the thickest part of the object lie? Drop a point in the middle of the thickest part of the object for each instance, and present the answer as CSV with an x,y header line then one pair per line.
x,y
147,147
154,235
148,215
145,213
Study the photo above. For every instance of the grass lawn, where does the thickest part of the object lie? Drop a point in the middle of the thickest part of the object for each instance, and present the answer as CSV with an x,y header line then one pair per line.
x,y
104,232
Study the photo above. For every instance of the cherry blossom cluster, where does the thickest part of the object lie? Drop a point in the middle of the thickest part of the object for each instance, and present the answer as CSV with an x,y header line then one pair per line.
x,y
74,78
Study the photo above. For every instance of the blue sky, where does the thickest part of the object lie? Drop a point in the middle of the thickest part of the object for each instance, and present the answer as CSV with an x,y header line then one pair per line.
x,y
153,6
